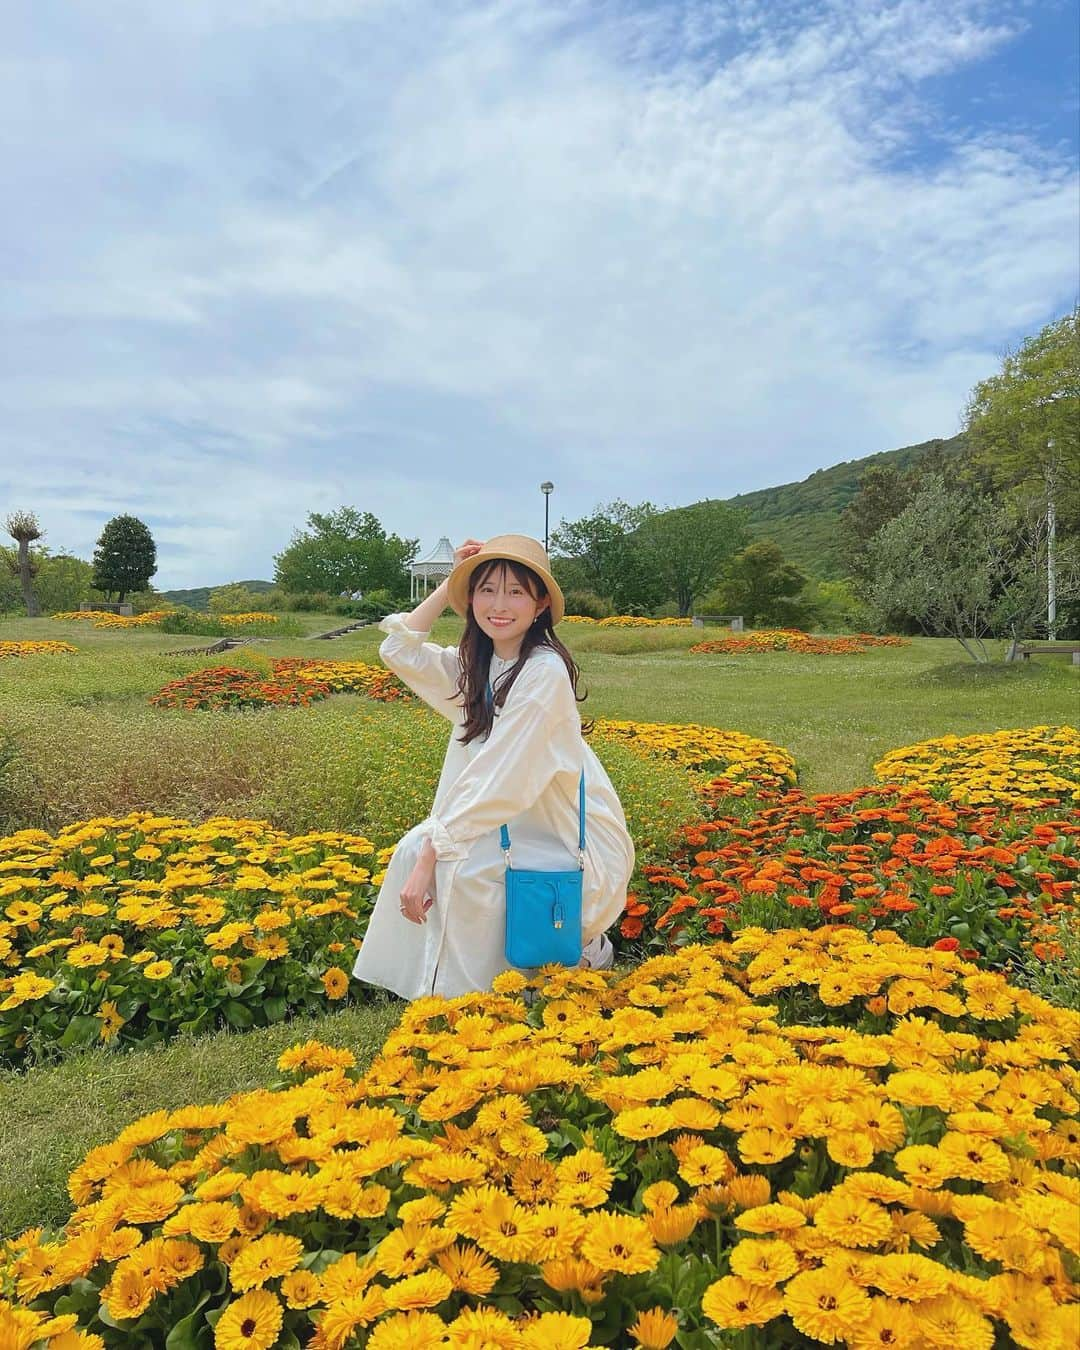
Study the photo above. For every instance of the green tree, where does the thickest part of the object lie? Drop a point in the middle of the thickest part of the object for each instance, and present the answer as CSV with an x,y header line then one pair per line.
x,y
64,582
603,553
762,587
689,548
125,557
966,566
1024,422
345,551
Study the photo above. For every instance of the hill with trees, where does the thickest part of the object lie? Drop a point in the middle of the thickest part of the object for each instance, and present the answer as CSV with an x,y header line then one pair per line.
x,y
804,518
198,597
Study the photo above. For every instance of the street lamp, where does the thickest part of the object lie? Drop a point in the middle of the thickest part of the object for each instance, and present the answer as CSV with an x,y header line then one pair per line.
x,y
546,489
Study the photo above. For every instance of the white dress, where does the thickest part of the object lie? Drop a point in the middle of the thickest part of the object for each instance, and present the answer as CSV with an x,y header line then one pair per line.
x,y
524,775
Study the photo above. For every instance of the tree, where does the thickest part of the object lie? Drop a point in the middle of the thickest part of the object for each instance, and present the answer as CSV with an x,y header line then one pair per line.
x,y
125,557
345,551
1024,422
24,529
964,565
689,548
605,555
762,587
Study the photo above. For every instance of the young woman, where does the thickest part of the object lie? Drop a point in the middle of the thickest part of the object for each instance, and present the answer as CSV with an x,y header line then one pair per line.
x,y
515,757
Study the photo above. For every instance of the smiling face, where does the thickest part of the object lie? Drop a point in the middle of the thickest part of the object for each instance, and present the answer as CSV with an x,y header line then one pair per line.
x,y
505,599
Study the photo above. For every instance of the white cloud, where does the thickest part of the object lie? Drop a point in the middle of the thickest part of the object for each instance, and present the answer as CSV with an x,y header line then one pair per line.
x,y
271,258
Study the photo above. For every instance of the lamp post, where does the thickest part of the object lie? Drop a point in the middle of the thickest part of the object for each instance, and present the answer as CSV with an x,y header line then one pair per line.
x,y
546,489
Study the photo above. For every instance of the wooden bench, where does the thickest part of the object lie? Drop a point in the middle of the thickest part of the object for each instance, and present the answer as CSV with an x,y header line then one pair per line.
x,y
736,620
1023,651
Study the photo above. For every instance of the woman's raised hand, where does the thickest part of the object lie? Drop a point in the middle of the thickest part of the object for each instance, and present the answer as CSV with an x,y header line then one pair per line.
x,y
466,550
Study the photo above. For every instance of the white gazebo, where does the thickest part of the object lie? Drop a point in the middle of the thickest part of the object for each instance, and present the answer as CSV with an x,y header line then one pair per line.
x,y
437,565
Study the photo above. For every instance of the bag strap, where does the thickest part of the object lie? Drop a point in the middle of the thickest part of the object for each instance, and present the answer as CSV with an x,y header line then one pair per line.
x,y
504,833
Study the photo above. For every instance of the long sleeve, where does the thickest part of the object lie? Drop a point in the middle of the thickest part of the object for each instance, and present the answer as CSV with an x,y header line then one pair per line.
x,y
429,670
536,736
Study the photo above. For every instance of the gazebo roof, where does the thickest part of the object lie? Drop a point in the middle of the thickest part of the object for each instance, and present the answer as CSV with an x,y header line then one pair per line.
x,y
442,556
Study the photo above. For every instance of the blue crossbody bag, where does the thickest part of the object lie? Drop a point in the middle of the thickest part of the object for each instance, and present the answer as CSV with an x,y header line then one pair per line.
x,y
543,909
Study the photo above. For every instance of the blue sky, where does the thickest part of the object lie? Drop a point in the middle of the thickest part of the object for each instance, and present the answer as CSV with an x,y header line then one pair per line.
x,y
275,257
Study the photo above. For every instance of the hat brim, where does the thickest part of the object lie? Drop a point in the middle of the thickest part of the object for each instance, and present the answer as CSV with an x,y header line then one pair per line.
x,y
458,582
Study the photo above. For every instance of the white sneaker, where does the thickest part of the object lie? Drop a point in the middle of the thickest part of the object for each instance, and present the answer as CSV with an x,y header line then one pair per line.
x,y
598,954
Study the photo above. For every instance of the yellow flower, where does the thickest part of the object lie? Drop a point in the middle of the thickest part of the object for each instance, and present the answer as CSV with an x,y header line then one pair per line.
x,y
425,1290
766,1263
265,1259
158,970
249,1323
556,1331
111,1021
335,982
655,1329
825,1306
619,1242
468,1269
734,1302
408,1331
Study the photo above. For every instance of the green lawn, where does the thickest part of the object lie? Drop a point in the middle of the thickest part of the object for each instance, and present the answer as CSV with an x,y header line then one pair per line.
x,y
77,736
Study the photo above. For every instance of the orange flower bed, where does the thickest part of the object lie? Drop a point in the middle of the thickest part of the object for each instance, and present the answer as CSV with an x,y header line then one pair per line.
x,y
346,677
985,880
795,640
232,687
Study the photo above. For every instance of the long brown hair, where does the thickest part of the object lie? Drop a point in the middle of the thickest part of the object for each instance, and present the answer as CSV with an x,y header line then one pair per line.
x,y
476,648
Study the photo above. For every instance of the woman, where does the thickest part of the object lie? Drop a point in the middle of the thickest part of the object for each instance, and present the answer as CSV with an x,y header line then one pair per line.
x,y
515,757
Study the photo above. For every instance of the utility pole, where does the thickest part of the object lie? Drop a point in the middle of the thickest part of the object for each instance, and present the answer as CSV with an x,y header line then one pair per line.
x,y
1051,537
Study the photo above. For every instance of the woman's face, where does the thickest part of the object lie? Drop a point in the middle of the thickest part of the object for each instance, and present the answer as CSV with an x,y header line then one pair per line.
x,y
504,609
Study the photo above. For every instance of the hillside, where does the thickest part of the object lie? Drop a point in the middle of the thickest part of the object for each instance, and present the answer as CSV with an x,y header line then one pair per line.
x,y
804,518
198,597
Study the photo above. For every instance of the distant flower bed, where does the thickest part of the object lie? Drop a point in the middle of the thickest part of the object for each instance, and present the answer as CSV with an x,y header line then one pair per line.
x,y
235,687
253,616
134,929
743,760
794,640
985,880
759,1138
347,677
44,647
627,621
1023,767
103,619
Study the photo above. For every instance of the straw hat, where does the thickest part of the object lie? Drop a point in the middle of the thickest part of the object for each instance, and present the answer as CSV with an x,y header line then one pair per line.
x,y
517,548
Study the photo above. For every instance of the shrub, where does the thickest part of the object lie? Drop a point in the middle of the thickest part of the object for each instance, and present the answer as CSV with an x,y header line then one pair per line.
x,y
588,604
194,621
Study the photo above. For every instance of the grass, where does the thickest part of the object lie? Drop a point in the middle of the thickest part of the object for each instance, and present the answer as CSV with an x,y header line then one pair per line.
x,y
50,1118
85,741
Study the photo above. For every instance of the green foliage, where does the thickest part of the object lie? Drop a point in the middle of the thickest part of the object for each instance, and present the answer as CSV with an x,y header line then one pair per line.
x,y
804,517
198,597
966,566
125,557
763,588
342,552
1024,422
687,550
588,604
234,599
182,620
605,555
834,607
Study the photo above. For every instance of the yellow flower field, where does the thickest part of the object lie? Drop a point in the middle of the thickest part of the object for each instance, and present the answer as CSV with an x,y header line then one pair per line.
x,y
1022,767
133,929
30,648
743,759
804,1138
